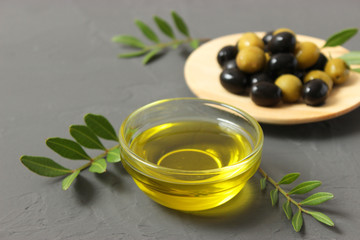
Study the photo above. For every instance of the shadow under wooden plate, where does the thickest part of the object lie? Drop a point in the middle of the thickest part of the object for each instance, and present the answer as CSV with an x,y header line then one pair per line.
x,y
202,76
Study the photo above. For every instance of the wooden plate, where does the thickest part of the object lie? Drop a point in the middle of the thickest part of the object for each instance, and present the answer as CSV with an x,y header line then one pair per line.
x,y
202,76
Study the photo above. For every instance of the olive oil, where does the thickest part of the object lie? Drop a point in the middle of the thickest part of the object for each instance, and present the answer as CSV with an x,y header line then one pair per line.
x,y
206,155
192,145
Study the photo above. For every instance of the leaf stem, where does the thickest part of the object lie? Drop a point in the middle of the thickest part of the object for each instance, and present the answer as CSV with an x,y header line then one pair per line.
x,y
96,158
282,191
174,42
106,152
83,167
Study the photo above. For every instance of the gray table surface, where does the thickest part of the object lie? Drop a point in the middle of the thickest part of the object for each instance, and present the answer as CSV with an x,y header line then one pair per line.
x,y
57,63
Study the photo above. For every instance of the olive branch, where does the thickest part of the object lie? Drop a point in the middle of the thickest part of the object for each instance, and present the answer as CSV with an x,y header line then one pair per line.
x,y
302,188
151,51
85,135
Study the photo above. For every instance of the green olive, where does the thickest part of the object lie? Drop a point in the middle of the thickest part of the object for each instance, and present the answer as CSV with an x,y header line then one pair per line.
x,y
318,74
251,59
290,86
307,53
250,39
338,70
279,30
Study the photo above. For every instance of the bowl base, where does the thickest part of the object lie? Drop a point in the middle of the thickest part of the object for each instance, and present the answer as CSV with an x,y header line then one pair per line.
x,y
190,203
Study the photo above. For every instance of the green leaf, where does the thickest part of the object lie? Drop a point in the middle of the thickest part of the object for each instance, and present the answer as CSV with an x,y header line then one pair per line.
x,y
305,187
150,55
297,221
133,54
86,137
44,166
69,179
180,24
194,43
287,209
289,178
262,184
67,148
351,57
317,198
274,196
321,218
98,166
129,41
164,27
147,31
100,126
356,70
341,37
113,156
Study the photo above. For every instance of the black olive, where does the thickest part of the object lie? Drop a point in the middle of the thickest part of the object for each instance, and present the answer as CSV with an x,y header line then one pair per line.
x,y
300,74
226,53
320,63
319,75
265,94
230,64
260,77
283,42
234,81
314,92
267,38
281,63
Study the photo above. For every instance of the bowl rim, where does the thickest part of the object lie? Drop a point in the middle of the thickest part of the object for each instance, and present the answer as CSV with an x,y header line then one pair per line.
x,y
257,146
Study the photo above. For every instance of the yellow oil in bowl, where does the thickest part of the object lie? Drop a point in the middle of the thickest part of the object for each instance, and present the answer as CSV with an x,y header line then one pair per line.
x,y
191,145
191,163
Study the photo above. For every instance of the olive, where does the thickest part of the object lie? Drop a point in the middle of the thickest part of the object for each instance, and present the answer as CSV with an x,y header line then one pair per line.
x,y
267,37
290,86
338,70
320,63
277,68
319,75
251,59
315,92
283,42
226,53
250,39
265,94
230,64
300,74
234,81
307,54
260,77
279,30
281,63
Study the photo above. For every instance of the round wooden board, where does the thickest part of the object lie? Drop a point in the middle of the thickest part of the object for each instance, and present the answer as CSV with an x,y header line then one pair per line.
x,y
202,76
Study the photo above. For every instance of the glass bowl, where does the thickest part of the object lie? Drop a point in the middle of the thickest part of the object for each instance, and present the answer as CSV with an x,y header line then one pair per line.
x,y
190,154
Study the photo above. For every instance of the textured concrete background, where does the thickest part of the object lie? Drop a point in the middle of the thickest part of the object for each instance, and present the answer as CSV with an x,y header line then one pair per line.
x,y
57,63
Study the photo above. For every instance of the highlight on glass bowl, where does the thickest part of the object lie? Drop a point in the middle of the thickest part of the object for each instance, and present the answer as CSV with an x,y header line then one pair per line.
x,y
190,154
